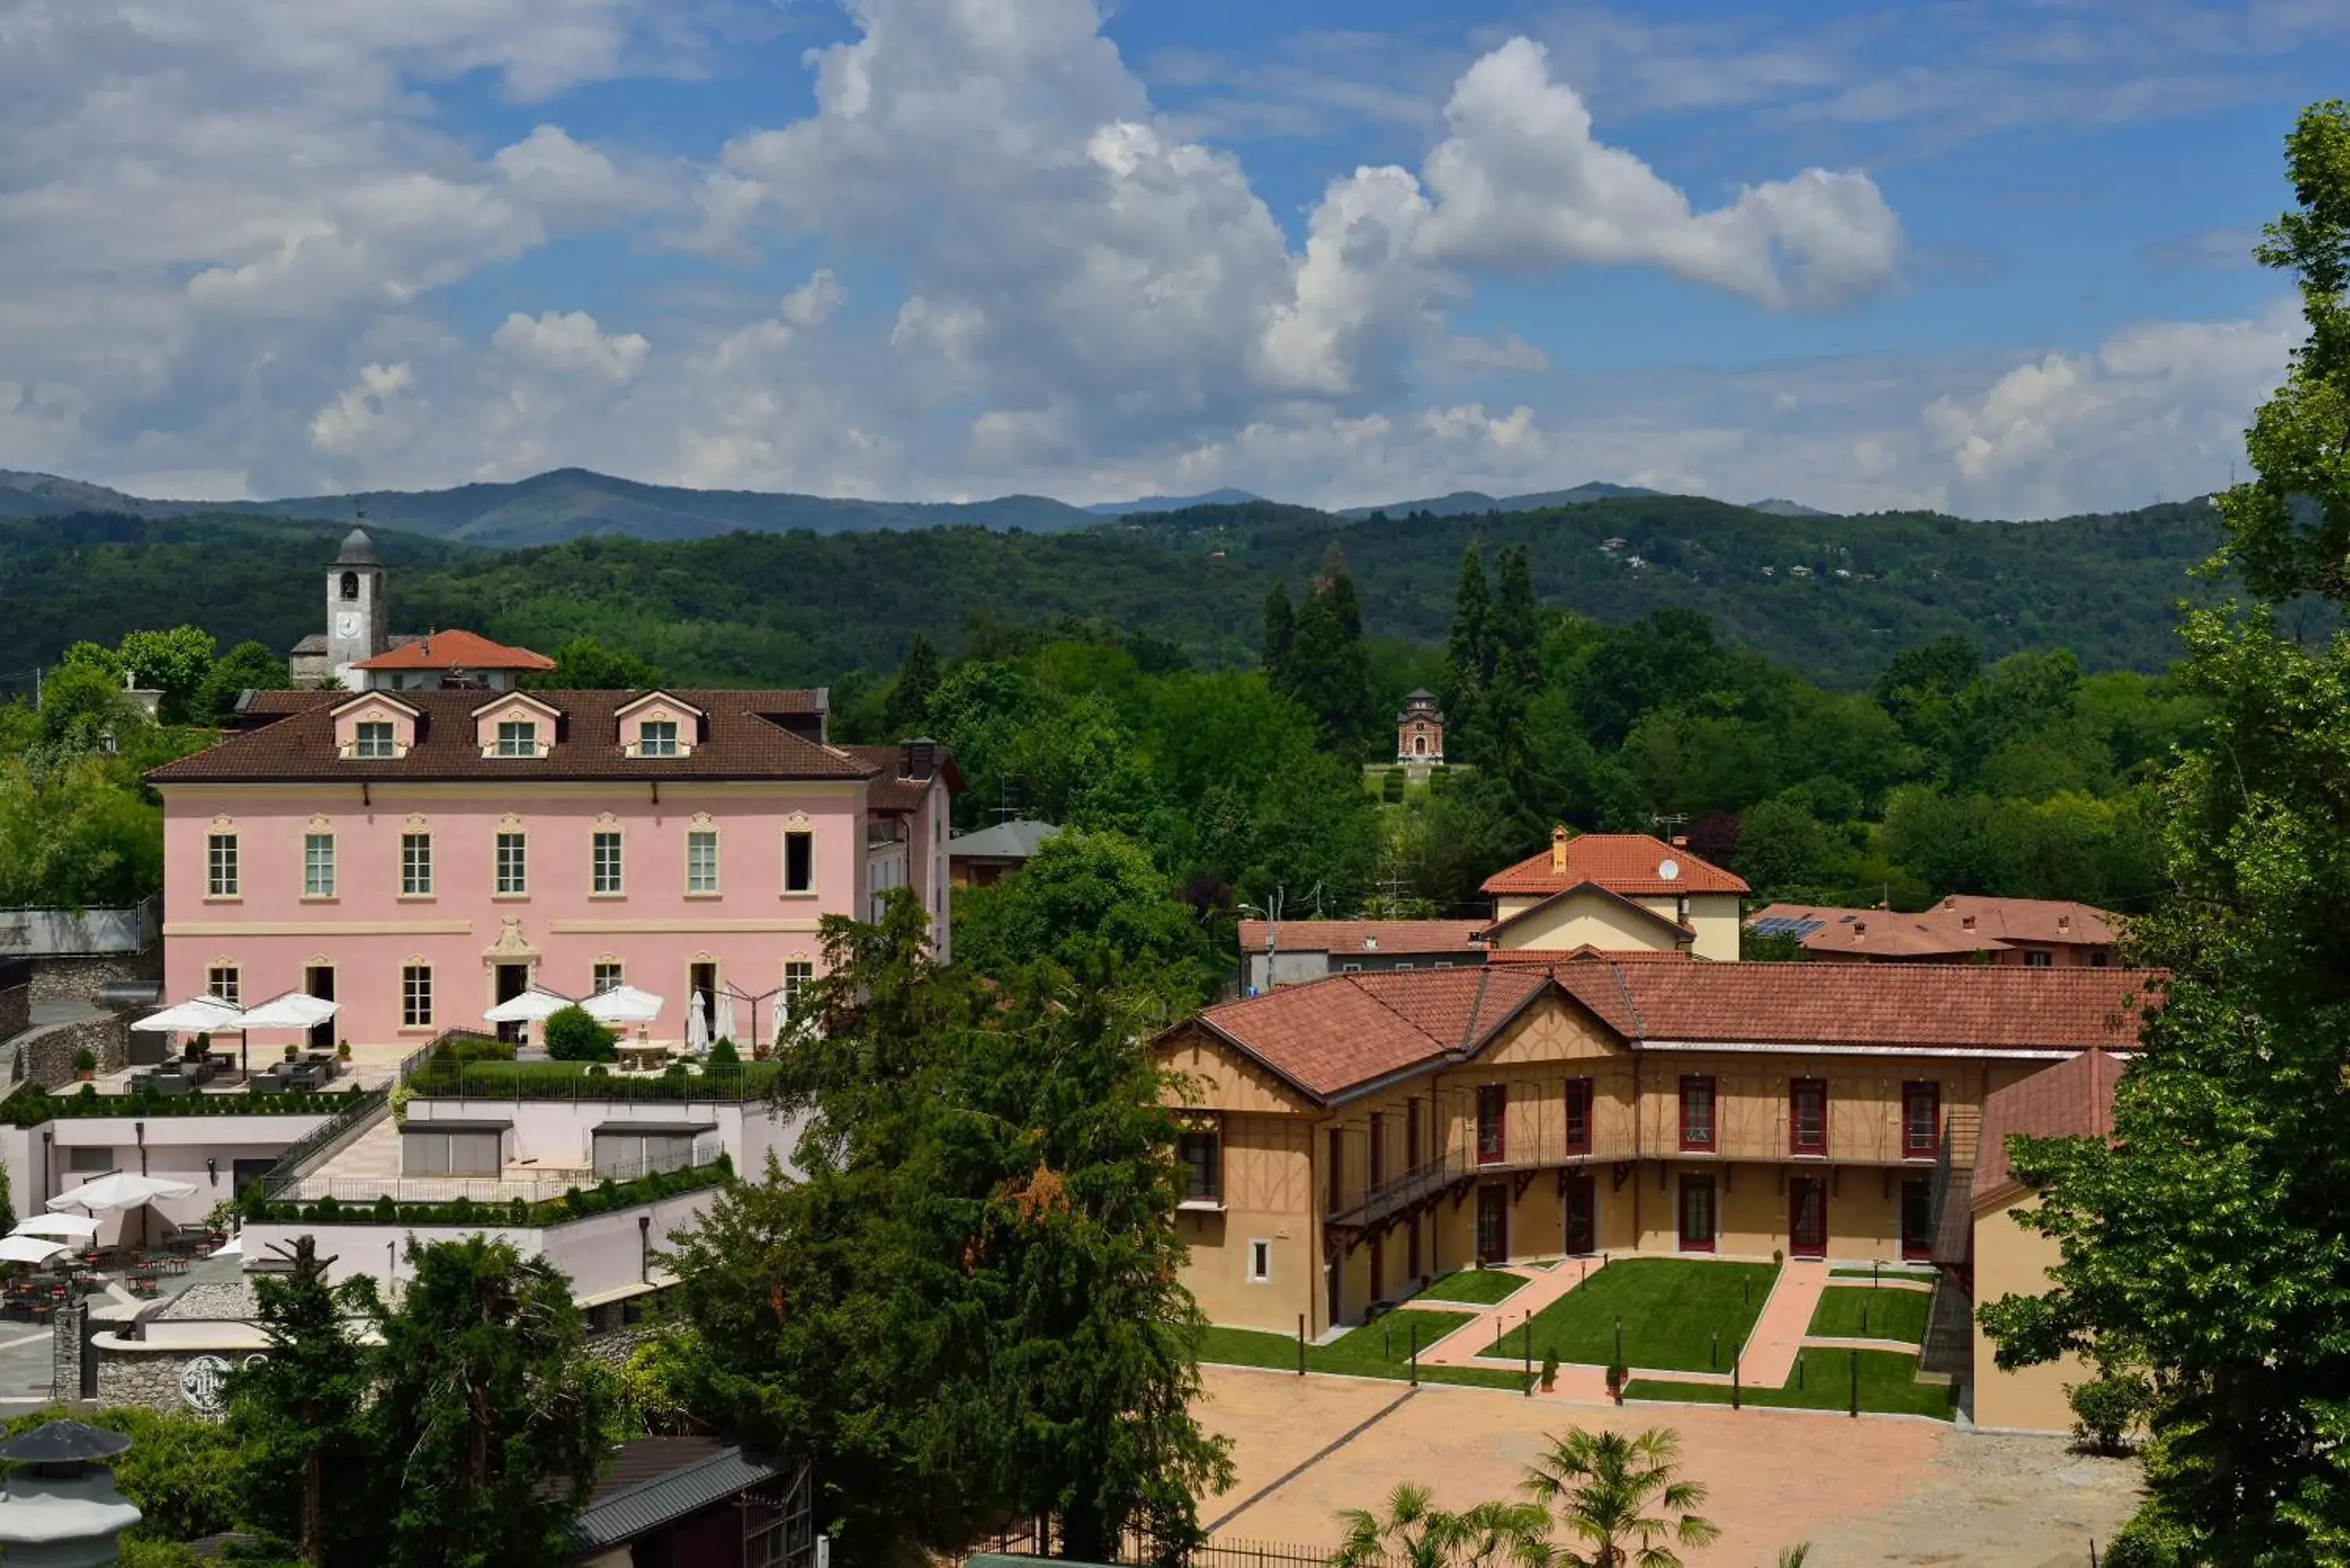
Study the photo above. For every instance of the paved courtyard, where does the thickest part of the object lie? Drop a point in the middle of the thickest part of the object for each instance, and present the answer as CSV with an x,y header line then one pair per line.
x,y
1874,1490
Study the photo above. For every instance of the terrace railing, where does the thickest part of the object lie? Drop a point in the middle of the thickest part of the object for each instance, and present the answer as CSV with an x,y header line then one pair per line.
x,y
342,1129
517,1080
542,1184
1380,1199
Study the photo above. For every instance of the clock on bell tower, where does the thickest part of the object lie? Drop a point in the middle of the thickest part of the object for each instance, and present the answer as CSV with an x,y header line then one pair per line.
x,y
358,617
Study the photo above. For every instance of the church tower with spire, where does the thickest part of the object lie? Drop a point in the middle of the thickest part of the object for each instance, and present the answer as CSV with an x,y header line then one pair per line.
x,y
359,610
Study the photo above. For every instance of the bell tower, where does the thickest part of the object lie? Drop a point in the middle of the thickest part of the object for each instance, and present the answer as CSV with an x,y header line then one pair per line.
x,y
358,609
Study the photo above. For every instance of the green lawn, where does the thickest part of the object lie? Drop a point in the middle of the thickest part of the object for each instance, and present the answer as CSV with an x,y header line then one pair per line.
x,y
1672,1309
1849,1312
1380,1349
1888,1386
1485,1286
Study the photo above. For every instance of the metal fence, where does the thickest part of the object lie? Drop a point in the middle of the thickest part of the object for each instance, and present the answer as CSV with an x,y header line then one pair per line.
x,y
544,1184
1220,1552
80,933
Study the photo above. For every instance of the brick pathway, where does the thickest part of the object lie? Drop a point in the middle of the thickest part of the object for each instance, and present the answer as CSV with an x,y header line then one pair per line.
x,y
1779,1331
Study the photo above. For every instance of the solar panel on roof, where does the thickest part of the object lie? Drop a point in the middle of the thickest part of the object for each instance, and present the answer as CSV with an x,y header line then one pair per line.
x,y
1787,926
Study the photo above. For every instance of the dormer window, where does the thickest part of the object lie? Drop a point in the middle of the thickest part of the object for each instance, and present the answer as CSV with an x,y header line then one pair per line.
x,y
658,725
374,738
517,738
657,738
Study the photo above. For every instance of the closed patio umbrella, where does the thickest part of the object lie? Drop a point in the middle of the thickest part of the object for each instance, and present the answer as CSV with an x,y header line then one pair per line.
x,y
697,1025
721,1027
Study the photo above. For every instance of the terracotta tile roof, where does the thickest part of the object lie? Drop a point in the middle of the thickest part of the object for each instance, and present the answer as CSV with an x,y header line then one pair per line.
x,y
1587,953
746,738
1336,1034
1922,1006
891,790
1355,937
456,649
2032,919
1629,863
1331,1035
2071,1099
1960,924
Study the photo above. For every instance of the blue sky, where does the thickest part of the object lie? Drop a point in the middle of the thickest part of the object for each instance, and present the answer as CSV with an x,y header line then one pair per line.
x,y
1988,257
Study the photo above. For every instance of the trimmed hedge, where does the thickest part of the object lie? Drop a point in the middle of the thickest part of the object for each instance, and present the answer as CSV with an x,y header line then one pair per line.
x,y
29,1106
578,1204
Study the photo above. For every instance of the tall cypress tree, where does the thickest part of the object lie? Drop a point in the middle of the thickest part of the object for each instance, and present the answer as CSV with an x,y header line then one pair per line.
x,y
1516,620
1280,637
2206,1254
908,710
1469,650
1329,674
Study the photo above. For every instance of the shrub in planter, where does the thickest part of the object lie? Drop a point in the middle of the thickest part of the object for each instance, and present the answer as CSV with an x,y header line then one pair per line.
x,y
1391,787
1549,1371
1617,1375
518,1211
293,1052
85,1060
386,1213
327,1209
571,1036
723,1053
343,1050
1778,1256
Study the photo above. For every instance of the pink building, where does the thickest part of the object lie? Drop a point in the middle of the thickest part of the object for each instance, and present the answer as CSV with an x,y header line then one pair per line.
x,y
420,856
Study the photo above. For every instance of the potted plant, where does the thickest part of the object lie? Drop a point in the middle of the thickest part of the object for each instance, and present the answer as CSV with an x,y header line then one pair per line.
x,y
1617,1376
342,1050
1550,1371
293,1052
85,1063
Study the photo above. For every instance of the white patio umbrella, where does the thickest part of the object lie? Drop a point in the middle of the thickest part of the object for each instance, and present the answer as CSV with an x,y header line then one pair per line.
x,y
697,1025
77,1227
533,1006
120,1190
623,1004
294,1010
231,1247
721,1027
121,1193
195,1015
29,1248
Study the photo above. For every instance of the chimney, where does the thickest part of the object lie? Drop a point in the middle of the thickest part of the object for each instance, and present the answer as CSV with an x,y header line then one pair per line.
x,y
2065,925
1558,851
1860,930
1680,841
917,758
1965,922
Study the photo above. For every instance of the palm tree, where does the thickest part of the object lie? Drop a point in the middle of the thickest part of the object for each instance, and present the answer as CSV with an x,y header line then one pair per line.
x,y
1418,1533
1602,1487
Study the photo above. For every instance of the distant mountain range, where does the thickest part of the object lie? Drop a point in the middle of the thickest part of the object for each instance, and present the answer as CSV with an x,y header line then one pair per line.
x,y
1172,503
572,502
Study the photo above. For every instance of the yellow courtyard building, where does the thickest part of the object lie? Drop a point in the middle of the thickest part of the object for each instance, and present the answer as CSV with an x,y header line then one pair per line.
x,y
1352,1136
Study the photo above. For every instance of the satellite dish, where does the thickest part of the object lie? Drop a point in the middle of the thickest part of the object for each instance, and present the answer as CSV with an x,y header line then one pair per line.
x,y
1668,869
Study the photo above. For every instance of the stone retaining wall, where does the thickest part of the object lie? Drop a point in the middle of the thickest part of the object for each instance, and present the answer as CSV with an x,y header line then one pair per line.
x,y
46,1057
615,1346
16,1011
77,979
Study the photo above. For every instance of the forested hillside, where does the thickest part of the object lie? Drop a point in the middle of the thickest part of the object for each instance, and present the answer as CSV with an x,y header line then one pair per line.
x,y
1832,597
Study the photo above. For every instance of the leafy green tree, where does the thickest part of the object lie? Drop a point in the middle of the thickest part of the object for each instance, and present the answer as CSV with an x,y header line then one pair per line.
x,y
296,1418
1516,630
969,1307
247,667
1411,1529
488,1415
175,663
83,707
2204,1244
584,664
908,709
1622,1496
184,1473
1083,900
